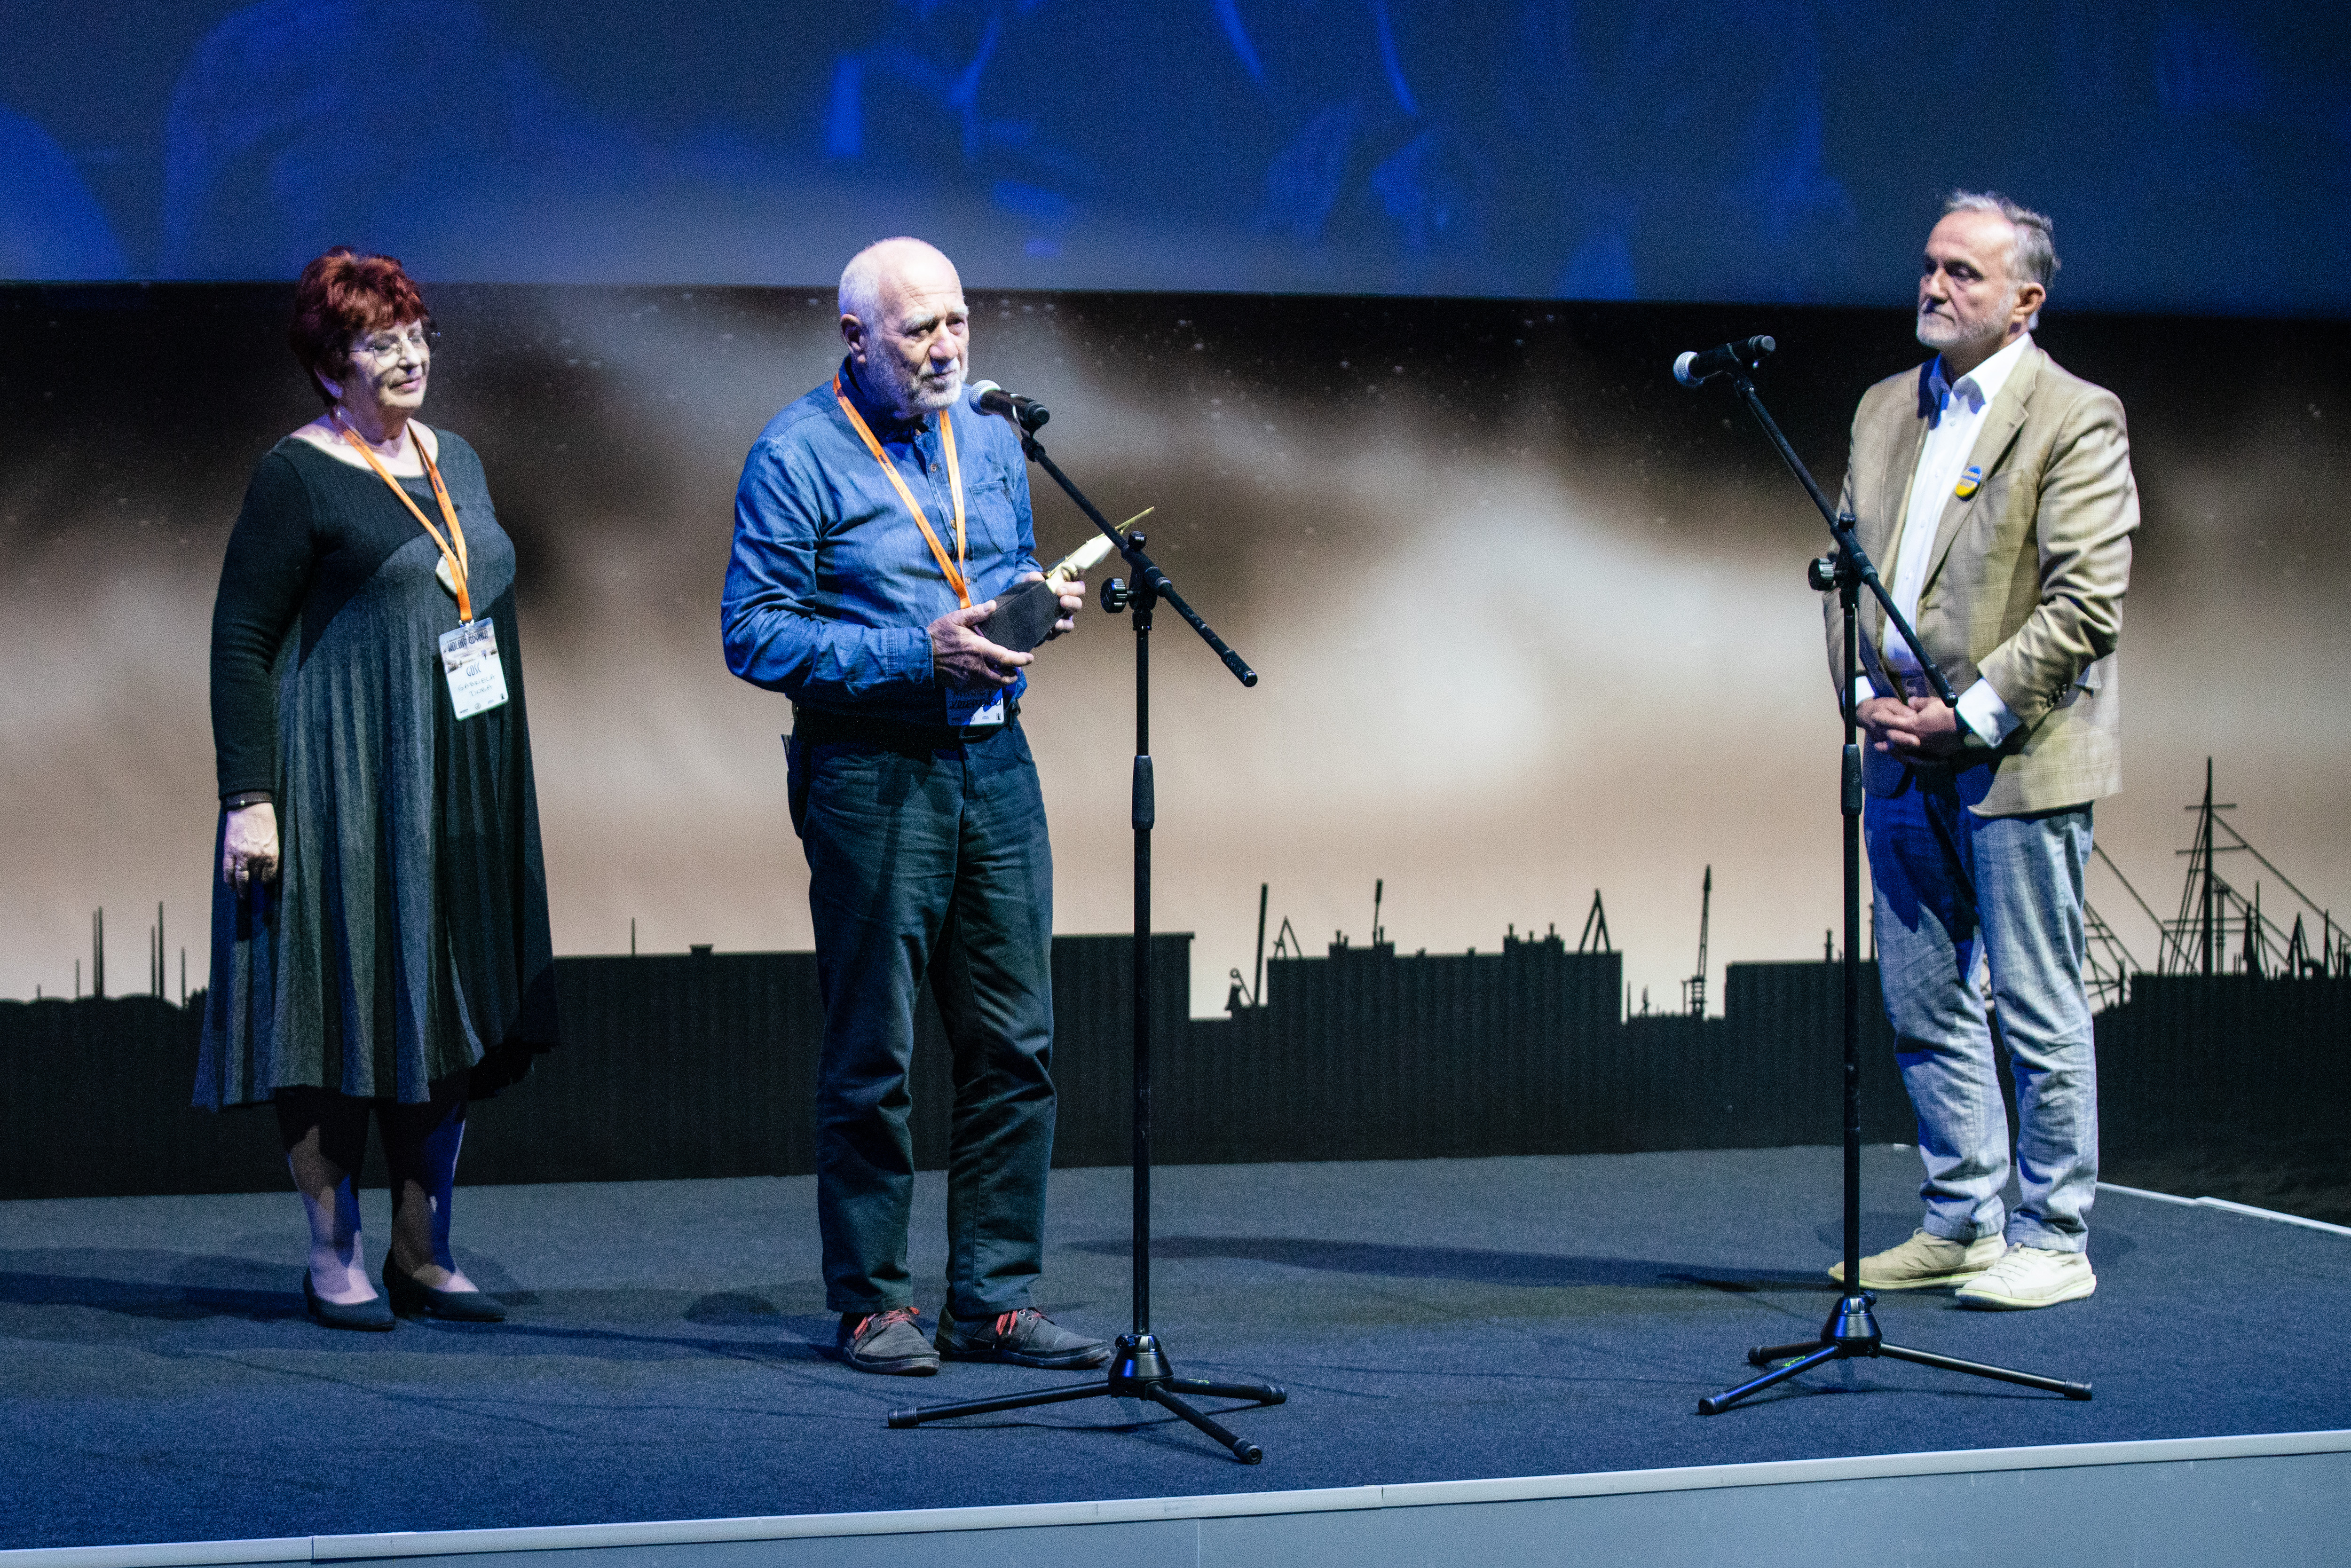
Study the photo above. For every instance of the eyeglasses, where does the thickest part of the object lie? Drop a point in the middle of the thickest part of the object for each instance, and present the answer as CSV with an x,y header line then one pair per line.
x,y
388,345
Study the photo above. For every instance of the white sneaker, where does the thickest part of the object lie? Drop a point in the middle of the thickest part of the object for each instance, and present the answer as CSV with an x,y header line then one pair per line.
x,y
2030,1277
1924,1261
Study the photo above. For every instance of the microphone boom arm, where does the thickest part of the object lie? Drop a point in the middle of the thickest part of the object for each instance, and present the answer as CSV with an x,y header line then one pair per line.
x,y
1848,545
1145,569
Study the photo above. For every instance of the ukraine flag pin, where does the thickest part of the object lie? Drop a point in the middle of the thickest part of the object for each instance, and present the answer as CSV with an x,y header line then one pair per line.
x,y
1969,483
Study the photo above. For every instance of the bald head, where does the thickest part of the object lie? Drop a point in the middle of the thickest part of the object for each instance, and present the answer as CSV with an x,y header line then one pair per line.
x,y
862,279
903,317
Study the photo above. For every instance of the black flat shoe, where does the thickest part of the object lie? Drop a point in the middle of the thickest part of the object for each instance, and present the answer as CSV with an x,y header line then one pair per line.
x,y
370,1316
411,1298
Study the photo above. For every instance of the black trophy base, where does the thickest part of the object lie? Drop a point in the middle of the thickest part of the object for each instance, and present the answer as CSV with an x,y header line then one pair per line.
x,y
1852,1331
1138,1369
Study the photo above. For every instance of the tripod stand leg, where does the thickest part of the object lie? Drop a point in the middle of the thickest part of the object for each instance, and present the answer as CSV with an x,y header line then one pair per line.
x,y
1765,1354
902,1419
1715,1405
1262,1392
1244,1450
1978,1369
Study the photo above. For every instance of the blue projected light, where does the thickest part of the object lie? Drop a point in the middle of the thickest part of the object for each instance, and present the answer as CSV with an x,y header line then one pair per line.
x,y
2195,159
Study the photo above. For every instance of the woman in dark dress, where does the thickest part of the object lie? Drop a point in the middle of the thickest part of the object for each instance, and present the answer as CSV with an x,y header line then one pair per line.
x,y
380,932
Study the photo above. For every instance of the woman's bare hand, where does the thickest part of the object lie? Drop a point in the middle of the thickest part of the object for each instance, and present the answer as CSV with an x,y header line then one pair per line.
x,y
249,848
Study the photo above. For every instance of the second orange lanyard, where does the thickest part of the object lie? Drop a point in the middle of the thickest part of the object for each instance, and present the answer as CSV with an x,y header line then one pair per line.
x,y
455,559
954,570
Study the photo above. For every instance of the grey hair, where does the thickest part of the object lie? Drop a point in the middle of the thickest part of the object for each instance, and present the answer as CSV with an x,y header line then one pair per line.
x,y
861,285
2031,247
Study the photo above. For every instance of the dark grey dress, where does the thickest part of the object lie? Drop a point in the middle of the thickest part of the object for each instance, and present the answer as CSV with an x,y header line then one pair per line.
x,y
406,937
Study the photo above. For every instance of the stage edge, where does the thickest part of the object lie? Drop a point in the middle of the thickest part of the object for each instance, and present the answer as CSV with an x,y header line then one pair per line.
x,y
2227,1207
1137,1511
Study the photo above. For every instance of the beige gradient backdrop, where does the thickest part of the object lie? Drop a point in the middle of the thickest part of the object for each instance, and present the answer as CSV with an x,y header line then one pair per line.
x,y
1509,653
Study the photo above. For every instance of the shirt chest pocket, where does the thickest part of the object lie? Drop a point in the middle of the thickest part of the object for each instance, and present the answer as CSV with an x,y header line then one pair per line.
x,y
989,518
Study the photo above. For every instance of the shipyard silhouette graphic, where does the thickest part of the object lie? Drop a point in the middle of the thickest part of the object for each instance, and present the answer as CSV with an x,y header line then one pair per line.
x,y
2228,1052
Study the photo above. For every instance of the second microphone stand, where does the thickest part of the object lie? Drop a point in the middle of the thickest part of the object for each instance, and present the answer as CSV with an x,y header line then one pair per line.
x,y
1852,1330
1139,1369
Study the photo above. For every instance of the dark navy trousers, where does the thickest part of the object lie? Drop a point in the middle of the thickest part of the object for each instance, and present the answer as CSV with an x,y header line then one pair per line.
x,y
928,861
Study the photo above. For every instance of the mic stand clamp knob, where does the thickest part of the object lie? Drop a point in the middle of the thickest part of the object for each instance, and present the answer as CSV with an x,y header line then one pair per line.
x,y
1115,595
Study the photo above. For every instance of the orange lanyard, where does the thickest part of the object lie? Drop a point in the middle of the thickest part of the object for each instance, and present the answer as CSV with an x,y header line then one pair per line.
x,y
455,559
953,568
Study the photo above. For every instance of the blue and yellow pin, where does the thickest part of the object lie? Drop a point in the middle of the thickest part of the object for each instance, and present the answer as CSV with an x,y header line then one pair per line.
x,y
1969,483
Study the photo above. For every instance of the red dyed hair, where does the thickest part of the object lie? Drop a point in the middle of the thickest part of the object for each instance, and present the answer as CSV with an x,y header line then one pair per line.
x,y
340,296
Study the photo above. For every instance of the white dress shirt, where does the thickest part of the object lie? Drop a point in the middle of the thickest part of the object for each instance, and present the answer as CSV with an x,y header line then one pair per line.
x,y
1952,432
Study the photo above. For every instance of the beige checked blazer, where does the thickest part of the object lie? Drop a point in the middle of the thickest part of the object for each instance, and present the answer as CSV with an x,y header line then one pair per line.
x,y
2026,586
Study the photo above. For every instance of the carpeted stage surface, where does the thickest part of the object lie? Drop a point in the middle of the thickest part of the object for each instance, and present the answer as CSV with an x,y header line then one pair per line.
x,y
1431,1319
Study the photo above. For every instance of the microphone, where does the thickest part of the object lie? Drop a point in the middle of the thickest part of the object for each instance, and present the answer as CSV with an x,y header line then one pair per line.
x,y
1025,411
1699,366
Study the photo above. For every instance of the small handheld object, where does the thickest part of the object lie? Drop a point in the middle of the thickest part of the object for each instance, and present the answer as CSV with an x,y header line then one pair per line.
x,y
1088,556
1024,615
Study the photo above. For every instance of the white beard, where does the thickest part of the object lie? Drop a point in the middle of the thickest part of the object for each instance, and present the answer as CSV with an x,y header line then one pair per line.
x,y
907,393
1942,333
932,401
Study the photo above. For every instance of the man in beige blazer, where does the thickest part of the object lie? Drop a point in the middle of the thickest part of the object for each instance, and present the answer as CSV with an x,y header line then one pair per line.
x,y
1994,492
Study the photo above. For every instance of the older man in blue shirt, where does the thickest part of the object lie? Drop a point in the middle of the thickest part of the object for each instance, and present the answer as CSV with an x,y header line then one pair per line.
x,y
877,519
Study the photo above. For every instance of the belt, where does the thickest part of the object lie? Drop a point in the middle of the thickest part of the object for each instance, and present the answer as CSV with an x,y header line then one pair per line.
x,y
817,727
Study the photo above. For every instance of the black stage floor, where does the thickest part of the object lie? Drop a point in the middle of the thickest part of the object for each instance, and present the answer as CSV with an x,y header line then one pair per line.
x,y
1433,1319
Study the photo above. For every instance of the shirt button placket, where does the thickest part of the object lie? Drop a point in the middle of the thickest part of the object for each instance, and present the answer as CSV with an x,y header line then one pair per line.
x,y
926,453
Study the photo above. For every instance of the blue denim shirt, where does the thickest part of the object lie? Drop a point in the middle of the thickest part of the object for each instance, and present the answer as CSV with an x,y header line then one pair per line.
x,y
830,589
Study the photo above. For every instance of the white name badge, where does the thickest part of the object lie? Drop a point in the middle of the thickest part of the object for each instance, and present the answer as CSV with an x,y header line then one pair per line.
x,y
974,710
469,658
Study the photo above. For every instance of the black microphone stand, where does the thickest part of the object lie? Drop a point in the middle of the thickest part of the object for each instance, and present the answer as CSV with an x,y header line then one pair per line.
x,y
1140,1368
1851,1331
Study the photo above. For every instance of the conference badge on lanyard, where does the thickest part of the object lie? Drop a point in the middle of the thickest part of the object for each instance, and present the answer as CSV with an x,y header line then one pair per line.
x,y
974,710
469,658
469,655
